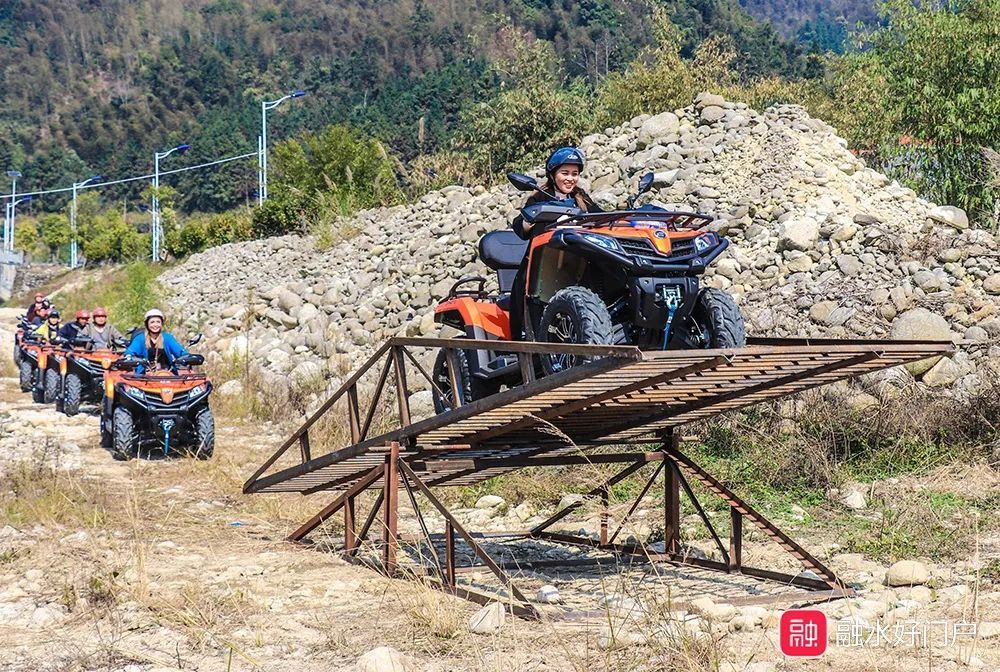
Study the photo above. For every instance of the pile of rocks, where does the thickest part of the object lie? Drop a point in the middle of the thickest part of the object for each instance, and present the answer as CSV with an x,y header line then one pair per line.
x,y
821,246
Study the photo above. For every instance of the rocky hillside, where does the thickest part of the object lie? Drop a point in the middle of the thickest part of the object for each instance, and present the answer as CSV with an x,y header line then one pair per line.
x,y
822,246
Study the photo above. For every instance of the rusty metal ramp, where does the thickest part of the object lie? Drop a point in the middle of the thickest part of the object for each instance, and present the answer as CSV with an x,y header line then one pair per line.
x,y
622,407
626,397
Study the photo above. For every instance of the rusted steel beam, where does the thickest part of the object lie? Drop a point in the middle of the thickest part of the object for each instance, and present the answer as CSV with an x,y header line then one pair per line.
x,y
456,392
476,548
335,505
701,512
671,499
755,517
638,500
376,398
320,412
735,540
354,413
350,540
402,393
369,521
528,461
449,550
304,447
390,487
526,362
559,515
423,525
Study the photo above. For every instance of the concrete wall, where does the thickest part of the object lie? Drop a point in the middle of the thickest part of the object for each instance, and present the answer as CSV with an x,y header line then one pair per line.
x,y
9,263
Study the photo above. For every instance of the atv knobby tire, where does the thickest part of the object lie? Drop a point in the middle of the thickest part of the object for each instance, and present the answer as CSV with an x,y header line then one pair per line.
x,y
27,370
124,435
204,429
719,319
51,386
72,394
17,355
574,315
38,386
470,388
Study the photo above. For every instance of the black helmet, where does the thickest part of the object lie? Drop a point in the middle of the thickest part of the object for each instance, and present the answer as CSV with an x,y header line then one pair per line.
x,y
563,156
53,313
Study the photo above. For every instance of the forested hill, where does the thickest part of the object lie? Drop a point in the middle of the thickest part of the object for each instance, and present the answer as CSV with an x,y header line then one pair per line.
x,y
823,23
96,86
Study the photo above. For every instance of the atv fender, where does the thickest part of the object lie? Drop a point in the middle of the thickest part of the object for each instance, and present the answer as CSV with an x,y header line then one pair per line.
x,y
486,318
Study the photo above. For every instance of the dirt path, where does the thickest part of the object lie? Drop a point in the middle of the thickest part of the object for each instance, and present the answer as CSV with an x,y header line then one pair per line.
x,y
163,564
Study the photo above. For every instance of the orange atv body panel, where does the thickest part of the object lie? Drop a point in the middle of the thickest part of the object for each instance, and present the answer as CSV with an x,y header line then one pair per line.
x,y
485,315
660,238
105,357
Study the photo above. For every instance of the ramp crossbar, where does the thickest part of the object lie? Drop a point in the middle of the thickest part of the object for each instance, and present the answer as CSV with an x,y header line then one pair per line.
x,y
621,397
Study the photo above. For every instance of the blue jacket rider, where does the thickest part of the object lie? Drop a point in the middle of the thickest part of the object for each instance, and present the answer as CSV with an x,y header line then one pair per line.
x,y
155,345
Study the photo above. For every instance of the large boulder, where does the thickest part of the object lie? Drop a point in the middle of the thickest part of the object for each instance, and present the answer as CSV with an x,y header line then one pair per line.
x,y
920,324
799,234
662,126
949,215
907,573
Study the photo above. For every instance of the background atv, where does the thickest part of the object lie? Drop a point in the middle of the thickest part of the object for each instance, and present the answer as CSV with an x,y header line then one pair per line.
x,y
31,352
160,408
82,377
626,277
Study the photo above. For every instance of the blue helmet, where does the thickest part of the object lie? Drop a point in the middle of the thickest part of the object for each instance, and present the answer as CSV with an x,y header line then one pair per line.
x,y
563,156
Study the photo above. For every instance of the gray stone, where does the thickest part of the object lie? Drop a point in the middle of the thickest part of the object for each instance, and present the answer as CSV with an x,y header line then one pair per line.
x,y
992,284
942,374
799,234
712,114
916,325
950,216
907,573
386,659
489,502
849,264
658,127
854,500
489,619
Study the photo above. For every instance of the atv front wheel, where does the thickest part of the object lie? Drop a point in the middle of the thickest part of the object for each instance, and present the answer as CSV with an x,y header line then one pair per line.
x,y
73,394
27,371
38,386
574,315
204,427
51,386
124,435
17,355
469,388
718,321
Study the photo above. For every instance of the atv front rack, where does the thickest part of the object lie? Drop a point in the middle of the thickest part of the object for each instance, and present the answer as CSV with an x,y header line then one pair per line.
x,y
625,408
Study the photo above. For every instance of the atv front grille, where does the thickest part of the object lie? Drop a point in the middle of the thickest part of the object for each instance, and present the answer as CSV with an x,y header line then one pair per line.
x,y
639,247
156,402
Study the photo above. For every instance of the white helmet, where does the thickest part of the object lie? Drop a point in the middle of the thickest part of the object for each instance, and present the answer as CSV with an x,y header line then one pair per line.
x,y
151,313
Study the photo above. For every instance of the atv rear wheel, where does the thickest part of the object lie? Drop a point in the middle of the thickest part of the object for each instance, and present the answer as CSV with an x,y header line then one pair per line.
x,y
470,389
51,386
574,315
17,354
37,385
124,435
72,394
719,321
204,428
27,371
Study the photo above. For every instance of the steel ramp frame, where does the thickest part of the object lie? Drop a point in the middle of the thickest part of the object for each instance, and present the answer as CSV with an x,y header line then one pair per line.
x,y
623,398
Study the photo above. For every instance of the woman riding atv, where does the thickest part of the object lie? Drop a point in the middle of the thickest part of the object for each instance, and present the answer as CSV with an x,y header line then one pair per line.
x,y
154,345
562,175
49,330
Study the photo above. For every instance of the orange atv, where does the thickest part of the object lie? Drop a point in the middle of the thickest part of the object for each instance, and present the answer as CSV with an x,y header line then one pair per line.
x,y
627,277
34,361
81,372
157,408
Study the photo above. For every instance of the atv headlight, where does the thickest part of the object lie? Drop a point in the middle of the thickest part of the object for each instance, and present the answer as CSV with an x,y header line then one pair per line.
x,y
134,392
705,242
197,390
607,242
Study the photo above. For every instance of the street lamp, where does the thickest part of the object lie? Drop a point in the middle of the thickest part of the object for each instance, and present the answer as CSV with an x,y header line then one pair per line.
x,y
262,142
10,208
8,221
72,218
157,229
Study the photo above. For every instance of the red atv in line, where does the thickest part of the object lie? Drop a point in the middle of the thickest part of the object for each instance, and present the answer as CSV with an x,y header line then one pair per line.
x,y
625,277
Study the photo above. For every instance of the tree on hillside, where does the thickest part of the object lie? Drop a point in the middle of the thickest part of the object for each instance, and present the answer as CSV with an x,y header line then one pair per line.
x,y
928,99
55,233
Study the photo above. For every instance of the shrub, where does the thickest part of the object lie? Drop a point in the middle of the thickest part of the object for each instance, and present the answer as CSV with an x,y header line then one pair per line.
x,y
203,231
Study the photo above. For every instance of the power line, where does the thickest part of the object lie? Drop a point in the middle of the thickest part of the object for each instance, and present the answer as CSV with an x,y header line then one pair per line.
x,y
133,179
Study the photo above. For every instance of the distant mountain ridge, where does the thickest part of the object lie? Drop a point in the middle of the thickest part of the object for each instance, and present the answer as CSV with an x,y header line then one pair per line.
x,y
825,21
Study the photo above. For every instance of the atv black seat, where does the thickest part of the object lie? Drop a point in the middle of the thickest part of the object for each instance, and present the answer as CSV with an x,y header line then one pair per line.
x,y
502,251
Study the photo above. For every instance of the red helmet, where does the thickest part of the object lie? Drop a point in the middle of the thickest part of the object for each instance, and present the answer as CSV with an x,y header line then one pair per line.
x,y
100,312
82,315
